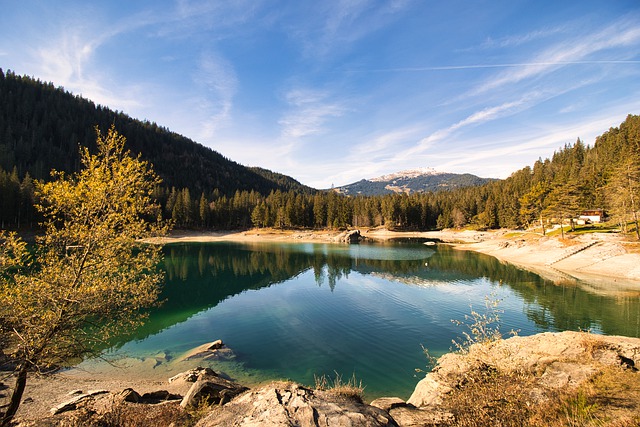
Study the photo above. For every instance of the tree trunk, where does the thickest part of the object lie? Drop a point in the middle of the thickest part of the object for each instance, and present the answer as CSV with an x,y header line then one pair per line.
x,y
16,396
544,232
633,203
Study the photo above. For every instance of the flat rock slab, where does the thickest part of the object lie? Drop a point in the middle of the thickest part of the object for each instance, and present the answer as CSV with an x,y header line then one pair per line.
x,y
556,359
290,404
72,403
212,389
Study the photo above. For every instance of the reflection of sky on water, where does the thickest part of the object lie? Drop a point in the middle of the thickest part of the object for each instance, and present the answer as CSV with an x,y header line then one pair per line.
x,y
292,311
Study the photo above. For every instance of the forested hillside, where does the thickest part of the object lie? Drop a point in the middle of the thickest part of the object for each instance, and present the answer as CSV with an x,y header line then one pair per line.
x,y
577,177
41,127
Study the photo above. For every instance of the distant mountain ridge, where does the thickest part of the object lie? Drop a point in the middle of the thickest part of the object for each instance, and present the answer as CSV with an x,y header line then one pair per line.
x,y
407,174
410,181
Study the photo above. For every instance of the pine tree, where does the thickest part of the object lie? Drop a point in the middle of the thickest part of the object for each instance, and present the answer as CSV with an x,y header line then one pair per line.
x,y
532,204
203,211
624,190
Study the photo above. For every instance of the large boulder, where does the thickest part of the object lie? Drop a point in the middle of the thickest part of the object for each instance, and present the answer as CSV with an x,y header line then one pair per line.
x,y
407,415
350,236
555,361
75,401
290,404
210,388
192,375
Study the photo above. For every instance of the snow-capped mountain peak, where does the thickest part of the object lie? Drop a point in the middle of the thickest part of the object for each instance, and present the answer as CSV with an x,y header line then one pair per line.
x,y
407,174
411,181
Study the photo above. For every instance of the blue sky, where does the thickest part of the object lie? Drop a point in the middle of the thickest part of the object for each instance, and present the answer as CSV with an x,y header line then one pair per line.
x,y
330,92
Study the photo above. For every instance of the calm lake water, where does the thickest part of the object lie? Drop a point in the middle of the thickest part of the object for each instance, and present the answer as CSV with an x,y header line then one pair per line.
x,y
293,311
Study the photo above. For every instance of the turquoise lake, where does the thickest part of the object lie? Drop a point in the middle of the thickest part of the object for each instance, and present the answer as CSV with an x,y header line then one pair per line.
x,y
295,311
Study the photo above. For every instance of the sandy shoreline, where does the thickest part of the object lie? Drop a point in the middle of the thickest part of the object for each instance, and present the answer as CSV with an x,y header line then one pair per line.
x,y
605,264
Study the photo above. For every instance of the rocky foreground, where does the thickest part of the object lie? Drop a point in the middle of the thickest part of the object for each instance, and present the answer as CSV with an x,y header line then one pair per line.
x,y
566,378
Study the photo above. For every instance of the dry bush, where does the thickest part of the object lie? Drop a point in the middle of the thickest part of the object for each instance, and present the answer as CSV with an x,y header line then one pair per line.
x,y
592,344
489,397
480,327
200,410
129,415
352,388
139,415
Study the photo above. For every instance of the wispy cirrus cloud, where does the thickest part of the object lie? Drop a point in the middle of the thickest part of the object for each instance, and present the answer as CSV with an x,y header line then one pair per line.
x,y
68,60
477,118
72,56
623,32
505,65
381,146
220,20
69,55
493,113
334,26
512,151
309,110
520,39
217,84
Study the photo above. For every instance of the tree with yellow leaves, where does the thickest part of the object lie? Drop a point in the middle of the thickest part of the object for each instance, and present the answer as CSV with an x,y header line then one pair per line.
x,y
89,276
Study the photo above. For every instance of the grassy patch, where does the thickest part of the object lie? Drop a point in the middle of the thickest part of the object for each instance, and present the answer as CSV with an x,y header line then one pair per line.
x,y
352,388
596,228
128,415
513,234
489,397
554,233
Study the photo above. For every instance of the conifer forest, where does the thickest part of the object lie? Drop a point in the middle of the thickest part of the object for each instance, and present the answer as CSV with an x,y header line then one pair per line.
x,y
41,127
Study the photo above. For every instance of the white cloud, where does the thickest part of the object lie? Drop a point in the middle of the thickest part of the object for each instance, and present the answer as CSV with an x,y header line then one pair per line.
x,y
219,19
68,54
520,39
477,118
333,27
509,153
216,83
380,147
68,61
310,110
575,51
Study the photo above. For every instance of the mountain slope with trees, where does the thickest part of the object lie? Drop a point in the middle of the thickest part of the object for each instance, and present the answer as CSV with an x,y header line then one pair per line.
x,y
41,126
577,177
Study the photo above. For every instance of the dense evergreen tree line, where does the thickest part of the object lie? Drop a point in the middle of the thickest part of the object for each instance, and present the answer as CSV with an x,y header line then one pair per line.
x,y
16,200
577,177
41,127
